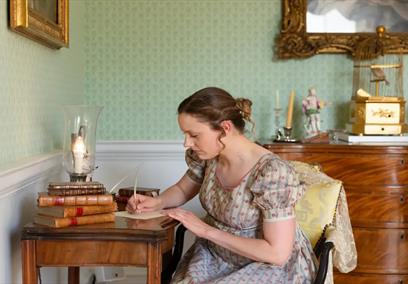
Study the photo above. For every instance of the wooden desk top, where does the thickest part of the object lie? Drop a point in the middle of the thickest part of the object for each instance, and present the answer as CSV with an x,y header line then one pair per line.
x,y
123,229
337,148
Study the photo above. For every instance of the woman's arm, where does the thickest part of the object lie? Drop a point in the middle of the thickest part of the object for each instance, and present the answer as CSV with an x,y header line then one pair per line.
x,y
176,195
184,190
275,247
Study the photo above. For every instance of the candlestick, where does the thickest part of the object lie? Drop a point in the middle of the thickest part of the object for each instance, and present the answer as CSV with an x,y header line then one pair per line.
x,y
277,122
290,109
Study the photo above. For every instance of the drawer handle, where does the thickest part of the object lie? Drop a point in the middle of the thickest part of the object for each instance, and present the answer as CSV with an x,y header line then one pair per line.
x,y
402,199
401,281
402,162
402,236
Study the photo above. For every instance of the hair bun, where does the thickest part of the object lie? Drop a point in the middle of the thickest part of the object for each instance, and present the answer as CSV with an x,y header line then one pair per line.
x,y
245,108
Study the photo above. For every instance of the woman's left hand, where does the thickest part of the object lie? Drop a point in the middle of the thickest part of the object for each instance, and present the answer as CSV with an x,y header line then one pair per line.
x,y
190,221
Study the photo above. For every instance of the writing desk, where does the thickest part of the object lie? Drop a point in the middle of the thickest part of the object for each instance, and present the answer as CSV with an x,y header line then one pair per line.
x,y
125,242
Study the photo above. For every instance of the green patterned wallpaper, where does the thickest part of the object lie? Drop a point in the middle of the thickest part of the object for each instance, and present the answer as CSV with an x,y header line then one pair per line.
x,y
35,82
142,57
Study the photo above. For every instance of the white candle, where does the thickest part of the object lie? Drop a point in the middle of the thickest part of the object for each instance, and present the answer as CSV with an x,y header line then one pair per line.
x,y
78,149
277,99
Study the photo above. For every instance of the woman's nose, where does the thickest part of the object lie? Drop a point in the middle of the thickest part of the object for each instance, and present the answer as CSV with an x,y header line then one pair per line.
x,y
187,142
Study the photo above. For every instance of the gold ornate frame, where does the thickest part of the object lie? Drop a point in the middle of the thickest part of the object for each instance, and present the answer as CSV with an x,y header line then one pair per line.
x,y
294,42
35,26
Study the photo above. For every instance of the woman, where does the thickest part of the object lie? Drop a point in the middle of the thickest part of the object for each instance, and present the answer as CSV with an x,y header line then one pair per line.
x,y
250,232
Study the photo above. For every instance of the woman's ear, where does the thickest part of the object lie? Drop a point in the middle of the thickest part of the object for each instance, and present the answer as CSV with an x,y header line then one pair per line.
x,y
226,125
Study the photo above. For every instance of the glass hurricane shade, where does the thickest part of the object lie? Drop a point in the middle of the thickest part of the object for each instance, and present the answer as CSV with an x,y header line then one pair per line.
x,y
80,140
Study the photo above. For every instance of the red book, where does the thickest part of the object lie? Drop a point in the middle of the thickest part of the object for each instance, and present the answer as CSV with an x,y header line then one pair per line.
x,y
74,221
45,200
76,211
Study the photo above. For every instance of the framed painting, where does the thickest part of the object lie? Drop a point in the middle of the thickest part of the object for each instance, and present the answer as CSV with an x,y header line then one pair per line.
x,y
45,21
363,29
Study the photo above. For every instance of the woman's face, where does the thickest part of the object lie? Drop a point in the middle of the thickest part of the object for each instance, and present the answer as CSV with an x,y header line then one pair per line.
x,y
199,136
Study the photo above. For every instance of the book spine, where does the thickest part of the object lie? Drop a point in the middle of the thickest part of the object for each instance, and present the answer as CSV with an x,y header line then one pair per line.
x,y
47,200
77,211
92,219
144,191
74,191
75,185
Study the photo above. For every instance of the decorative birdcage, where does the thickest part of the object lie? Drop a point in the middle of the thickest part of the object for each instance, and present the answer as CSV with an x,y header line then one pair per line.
x,y
377,105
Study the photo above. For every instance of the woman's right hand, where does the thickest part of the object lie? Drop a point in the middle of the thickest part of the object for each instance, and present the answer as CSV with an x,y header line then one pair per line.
x,y
141,203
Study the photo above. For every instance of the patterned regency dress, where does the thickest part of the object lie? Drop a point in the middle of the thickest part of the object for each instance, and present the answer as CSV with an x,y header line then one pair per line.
x,y
268,193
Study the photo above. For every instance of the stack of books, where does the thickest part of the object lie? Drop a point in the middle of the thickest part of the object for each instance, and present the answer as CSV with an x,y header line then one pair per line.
x,y
124,194
75,203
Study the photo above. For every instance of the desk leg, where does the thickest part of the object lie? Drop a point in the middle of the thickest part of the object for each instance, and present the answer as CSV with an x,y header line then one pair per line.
x,y
154,259
73,275
29,264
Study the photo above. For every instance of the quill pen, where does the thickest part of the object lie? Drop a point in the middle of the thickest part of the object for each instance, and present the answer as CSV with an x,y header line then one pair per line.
x,y
116,185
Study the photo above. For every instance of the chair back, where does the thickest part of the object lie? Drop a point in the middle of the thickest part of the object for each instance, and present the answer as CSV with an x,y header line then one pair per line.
x,y
315,211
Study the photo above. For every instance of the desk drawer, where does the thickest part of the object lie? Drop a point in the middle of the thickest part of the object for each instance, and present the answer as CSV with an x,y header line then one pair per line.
x,y
383,251
378,209
360,278
83,253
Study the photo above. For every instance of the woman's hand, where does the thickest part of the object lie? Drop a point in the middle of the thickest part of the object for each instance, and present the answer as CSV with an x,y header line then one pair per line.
x,y
190,221
141,203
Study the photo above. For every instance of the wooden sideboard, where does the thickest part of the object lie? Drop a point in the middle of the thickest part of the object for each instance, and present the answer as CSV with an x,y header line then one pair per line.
x,y
376,183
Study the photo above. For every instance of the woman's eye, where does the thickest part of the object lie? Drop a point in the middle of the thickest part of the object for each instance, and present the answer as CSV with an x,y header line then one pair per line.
x,y
194,136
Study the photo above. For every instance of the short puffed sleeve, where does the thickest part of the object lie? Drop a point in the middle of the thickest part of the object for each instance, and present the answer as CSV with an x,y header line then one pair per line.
x,y
196,166
276,190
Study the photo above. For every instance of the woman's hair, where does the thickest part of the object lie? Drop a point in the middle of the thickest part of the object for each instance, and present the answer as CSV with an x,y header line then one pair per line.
x,y
214,105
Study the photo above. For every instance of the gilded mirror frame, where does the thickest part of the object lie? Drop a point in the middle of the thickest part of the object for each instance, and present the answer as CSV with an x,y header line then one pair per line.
x,y
294,42
38,27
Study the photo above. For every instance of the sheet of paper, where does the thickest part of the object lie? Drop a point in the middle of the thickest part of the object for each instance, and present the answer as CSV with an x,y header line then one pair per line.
x,y
143,215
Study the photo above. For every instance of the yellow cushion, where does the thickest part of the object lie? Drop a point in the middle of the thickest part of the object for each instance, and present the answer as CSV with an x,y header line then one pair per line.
x,y
316,209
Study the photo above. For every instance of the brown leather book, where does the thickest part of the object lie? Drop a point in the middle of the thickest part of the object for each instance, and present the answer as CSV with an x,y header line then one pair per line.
x,y
128,191
122,199
45,200
74,221
76,191
75,185
76,211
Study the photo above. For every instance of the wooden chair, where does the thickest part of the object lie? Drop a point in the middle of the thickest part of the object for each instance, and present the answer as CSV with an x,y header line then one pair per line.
x,y
318,222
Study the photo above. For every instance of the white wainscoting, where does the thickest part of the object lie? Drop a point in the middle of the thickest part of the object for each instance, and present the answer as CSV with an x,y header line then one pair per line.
x,y
19,187
159,164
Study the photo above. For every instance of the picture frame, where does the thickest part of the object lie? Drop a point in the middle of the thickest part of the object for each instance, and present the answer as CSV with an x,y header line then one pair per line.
x,y
294,41
44,21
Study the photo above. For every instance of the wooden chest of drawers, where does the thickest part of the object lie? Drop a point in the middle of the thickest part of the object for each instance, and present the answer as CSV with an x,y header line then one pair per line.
x,y
376,183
